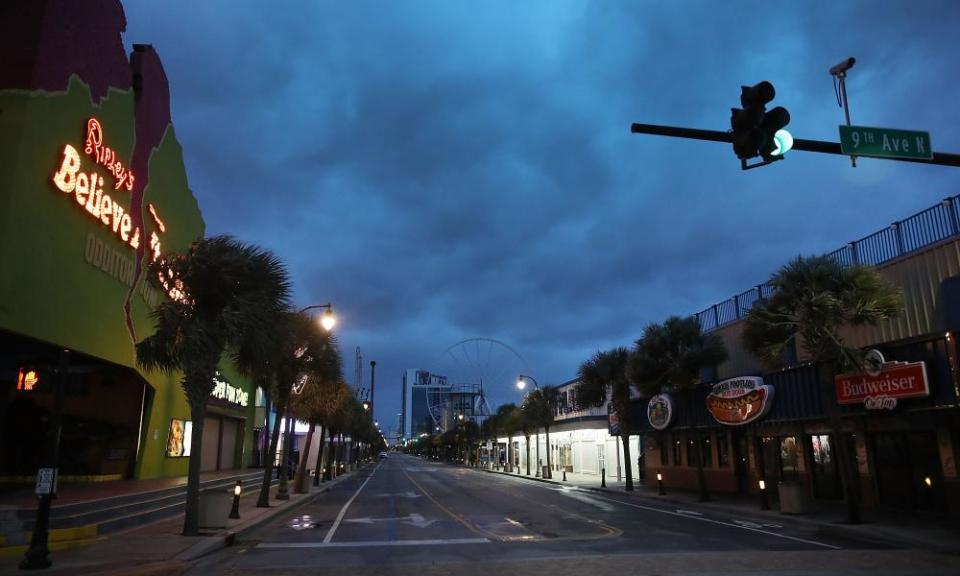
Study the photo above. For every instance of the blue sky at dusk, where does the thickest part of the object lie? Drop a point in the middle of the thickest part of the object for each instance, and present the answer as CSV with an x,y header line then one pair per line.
x,y
448,170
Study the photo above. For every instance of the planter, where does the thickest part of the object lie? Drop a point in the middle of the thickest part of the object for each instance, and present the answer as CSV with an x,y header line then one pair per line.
x,y
215,508
793,498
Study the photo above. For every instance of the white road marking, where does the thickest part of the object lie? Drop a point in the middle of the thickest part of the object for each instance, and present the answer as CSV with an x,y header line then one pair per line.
x,y
376,543
747,524
413,519
336,523
688,512
399,495
583,497
704,519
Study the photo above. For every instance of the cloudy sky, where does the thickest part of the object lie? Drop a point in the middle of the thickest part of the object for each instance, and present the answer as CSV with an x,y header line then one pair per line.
x,y
450,170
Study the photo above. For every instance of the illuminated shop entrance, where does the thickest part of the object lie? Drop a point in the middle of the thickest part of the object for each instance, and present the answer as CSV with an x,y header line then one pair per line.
x,y
102,408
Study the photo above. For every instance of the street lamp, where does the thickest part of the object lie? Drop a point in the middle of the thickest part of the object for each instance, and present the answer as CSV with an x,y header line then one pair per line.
x,y
522,381
235,511
327,319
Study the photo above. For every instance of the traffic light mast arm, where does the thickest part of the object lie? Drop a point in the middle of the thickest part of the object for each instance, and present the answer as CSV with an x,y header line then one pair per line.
x,y
821,146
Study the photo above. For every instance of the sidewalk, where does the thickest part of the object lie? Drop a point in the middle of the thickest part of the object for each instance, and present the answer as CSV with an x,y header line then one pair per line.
x,y
899,528
159,548
70,493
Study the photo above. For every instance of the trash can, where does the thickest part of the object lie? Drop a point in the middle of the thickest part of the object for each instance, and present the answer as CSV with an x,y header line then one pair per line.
x,y
215,508
793,498
545,472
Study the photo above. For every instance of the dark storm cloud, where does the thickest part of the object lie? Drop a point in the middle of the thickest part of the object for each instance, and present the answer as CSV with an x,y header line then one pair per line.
x,y
441,171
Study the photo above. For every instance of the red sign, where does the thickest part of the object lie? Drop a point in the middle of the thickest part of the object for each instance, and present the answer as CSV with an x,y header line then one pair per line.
x,y
895,380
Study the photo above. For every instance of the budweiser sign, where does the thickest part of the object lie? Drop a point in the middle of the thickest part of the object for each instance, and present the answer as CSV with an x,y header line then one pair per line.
x,y
739,400
894,381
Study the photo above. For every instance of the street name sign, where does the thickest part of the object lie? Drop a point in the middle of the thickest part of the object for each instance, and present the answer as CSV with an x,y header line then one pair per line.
x,y
885,142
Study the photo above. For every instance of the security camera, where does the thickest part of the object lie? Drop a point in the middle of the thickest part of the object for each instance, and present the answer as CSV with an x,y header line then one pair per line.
x,y
841,68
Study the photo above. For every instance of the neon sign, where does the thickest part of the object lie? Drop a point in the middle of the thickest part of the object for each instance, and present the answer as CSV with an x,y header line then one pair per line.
x,y
27,380
88,192
87,189
106,156
227,391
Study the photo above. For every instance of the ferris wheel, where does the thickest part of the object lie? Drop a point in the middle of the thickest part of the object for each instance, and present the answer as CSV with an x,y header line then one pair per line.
x,y
481,371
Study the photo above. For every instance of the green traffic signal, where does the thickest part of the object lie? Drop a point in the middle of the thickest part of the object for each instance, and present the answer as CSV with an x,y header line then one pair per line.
x,y
783,142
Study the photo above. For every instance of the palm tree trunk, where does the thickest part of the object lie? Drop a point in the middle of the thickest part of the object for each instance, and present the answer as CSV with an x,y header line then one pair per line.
x,y
191,516
848,474
625,440
528,454
299,486
510,453
328,474
549,459
697,452
319,468
263,501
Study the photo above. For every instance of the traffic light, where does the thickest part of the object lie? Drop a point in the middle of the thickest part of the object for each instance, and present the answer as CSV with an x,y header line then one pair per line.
x,y
757,132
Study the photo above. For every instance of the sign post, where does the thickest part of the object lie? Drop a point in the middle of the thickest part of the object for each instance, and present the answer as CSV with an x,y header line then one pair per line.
x,y
885,143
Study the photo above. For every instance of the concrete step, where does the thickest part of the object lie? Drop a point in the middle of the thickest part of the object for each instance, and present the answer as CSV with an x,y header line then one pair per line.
x,y
105,515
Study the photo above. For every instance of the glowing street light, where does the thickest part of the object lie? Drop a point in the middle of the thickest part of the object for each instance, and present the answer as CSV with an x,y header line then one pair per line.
x,y
522,381
327,319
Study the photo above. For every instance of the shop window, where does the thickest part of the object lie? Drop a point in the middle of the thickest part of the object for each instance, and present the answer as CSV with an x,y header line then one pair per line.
x,y
677,448
707,452
664,453
789,458
723,450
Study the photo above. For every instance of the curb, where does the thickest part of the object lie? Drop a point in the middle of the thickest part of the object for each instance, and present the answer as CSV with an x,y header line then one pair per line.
x,y
215,543
860,533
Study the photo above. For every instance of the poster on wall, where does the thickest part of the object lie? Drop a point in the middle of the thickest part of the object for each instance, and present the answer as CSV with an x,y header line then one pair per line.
x,y
739,401
179,437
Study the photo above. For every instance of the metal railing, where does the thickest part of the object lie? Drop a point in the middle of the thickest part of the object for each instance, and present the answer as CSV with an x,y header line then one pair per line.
x,y
923,229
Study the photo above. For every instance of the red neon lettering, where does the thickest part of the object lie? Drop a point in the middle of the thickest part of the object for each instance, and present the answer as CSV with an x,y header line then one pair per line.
x,y
156,218
106,156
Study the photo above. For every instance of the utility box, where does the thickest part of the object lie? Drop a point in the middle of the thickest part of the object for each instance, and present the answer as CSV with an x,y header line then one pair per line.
x,y
215,508
793,498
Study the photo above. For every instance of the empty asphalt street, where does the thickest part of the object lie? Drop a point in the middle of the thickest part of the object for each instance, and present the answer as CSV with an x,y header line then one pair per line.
x,y
407,515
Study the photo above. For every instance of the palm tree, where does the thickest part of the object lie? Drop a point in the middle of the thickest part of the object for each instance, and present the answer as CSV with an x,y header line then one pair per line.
x,y
602,378
471,433
814,299
321,389
507,415
541,405
490,431
230,291
299,349
669,358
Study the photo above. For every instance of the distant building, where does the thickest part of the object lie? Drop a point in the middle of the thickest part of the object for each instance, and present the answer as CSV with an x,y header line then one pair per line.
x,y
423,396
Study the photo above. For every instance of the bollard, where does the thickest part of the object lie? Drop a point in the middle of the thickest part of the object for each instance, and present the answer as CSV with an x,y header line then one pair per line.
x,y
660,483
603,477
564,474
764,503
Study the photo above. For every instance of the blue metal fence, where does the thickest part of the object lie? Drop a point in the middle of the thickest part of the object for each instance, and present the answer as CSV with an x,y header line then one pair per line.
x,y
900,238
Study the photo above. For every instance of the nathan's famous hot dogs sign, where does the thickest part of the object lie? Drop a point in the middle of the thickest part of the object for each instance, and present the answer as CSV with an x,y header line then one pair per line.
x,y
882,383
740,400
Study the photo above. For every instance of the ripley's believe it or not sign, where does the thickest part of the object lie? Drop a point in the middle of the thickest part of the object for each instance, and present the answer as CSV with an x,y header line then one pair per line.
x,y
739,401
895,381
87,190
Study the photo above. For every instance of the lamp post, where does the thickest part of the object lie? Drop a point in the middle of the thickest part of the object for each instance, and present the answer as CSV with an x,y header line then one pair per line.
x,y
521,384
327,319
764,503
38,554
522,381
235,511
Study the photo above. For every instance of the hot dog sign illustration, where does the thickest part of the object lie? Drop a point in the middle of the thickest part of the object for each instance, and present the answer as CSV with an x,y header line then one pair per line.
x,y
739,401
